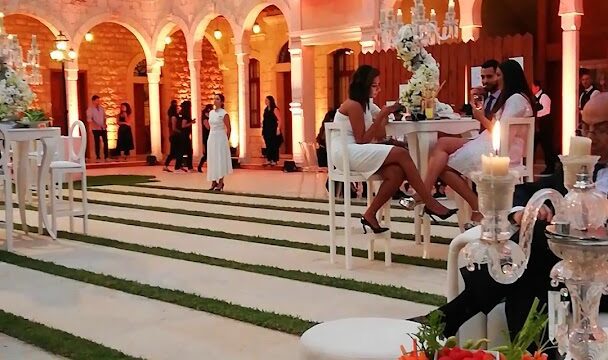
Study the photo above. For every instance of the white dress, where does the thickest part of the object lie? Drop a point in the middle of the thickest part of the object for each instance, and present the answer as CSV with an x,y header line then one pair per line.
x,y
468,158
219,162
363,158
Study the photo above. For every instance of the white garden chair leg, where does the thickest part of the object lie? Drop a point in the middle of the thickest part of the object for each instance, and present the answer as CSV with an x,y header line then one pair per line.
x,y
53,196
85,203
8,206
387,236
332,221
372,242
348,252
71,200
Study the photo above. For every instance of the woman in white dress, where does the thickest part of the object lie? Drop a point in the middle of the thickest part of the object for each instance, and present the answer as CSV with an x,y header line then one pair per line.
x,y
219,162
454,157
393,163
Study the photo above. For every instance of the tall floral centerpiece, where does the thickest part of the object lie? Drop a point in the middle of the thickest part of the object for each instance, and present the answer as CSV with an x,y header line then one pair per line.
x,y
421,90
15,94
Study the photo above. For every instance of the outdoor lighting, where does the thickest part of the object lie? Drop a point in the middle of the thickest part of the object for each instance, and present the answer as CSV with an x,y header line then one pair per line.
x,y
61,52
217,34
168,40
88,37
72,54
61,42
256,28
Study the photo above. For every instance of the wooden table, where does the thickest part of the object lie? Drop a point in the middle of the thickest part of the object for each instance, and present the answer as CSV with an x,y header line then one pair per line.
x,y
421,137
23,137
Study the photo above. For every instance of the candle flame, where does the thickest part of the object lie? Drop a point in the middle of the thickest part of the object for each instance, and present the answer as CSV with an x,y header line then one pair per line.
x,y
496,136
433,13
451,3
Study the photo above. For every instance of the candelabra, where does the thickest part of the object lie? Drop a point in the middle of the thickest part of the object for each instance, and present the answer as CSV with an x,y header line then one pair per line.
x,y
425,28
12,53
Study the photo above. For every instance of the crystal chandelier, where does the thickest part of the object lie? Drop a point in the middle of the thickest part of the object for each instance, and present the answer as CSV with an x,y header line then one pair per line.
x,y
12,55
425,28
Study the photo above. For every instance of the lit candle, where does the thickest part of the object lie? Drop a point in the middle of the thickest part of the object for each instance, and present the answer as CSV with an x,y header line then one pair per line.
x,y
433,14
1,23
399,13
495,165
450,5
580,146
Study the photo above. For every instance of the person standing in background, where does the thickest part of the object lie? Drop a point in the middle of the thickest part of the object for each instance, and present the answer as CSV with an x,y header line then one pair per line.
x,y
206,127
124,142
187,122
544,128
588,91
219,161
175,125
271,131
96,117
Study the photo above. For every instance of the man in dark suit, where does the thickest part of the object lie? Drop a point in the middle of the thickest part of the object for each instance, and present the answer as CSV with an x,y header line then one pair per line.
x,y
482,293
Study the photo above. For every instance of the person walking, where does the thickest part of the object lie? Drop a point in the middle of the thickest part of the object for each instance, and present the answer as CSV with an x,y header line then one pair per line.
x,y
205,119
96,117
187,122
175,124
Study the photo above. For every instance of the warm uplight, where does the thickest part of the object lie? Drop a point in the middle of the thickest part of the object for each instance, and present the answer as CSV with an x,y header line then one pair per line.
x,y
496,137
88,37
168,40
217,34
72,54
256,28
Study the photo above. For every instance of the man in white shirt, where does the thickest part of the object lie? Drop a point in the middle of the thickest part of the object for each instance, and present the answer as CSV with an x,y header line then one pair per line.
x,y
96,117
544,127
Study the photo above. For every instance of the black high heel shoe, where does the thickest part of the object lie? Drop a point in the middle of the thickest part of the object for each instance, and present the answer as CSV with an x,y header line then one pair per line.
x,y
375,230
432,214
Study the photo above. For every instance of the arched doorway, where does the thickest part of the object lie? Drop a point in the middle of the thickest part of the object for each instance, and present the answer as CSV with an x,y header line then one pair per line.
x,y
110,66
283,70
341,68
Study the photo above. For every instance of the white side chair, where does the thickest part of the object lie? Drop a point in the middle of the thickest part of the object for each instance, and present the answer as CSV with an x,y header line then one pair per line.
x,y
346,176
310,166
506,127
73,164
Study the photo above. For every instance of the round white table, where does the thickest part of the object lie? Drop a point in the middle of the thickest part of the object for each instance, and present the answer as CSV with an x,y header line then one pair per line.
x,y
357,339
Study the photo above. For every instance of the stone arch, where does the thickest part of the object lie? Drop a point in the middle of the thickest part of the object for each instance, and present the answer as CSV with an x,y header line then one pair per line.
x,y
48,20
167,28
136,29
255,11
200,24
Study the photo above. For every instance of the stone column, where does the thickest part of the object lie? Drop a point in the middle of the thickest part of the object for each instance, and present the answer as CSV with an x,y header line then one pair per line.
x,y
154,100
195,97
368,40
571,12
302,104
71,93
470,19
242,61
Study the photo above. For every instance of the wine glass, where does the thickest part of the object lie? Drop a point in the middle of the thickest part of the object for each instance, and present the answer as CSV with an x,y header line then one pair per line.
x,y
478,101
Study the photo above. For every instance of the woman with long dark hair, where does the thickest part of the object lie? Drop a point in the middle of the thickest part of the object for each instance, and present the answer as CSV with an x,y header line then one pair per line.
x,y
454,157
124,141
187,122
205,119
175,125
271,131
393,163
219,162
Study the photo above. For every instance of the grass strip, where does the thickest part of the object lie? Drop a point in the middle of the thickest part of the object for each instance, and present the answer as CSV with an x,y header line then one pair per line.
x,y
252,206
325,280
295,224
266,319
56,341
106,180
397,258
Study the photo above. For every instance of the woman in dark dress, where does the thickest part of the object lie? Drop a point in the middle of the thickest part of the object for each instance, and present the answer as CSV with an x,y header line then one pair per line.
x,y
271,131
175,123
187,122
205,119
124,143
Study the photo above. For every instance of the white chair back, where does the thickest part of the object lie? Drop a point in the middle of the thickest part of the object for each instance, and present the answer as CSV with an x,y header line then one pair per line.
x,y
77,143
337,130
519,132
309,151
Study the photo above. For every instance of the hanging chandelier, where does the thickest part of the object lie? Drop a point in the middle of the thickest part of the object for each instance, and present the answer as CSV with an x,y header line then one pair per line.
x,y
425,28
12,55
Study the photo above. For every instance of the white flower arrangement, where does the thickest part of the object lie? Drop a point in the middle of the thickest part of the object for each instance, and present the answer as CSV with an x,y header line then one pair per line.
x,y
15,94
424,82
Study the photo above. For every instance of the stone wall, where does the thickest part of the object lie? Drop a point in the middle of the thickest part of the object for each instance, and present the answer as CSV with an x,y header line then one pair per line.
x,y
107,61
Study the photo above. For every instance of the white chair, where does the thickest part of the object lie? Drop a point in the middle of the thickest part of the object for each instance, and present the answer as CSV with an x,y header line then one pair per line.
x,y
506,126
7,183
346,176
310,166
72,164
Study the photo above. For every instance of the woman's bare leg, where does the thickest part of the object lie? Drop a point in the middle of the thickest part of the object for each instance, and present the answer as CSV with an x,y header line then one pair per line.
x,y
401,157
462,188
392,176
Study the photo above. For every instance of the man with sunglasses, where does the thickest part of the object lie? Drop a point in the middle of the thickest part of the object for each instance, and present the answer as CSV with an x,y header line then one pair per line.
x,y
481,292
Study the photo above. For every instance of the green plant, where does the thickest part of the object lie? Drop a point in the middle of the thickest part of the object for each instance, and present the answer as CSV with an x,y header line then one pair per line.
x,y
430,334
35,115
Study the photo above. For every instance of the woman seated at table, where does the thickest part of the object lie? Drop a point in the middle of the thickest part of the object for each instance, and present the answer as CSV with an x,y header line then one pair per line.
x,y
393,163
454,157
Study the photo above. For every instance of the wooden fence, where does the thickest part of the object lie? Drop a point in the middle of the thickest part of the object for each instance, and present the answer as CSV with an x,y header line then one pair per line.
x,y
455,61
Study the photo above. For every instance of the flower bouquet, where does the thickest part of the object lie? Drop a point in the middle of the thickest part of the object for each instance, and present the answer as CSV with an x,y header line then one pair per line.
x,y
34,118
16,96
430,344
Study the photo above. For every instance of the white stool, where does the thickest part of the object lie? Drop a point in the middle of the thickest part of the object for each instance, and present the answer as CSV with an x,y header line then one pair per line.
x,y
357,339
